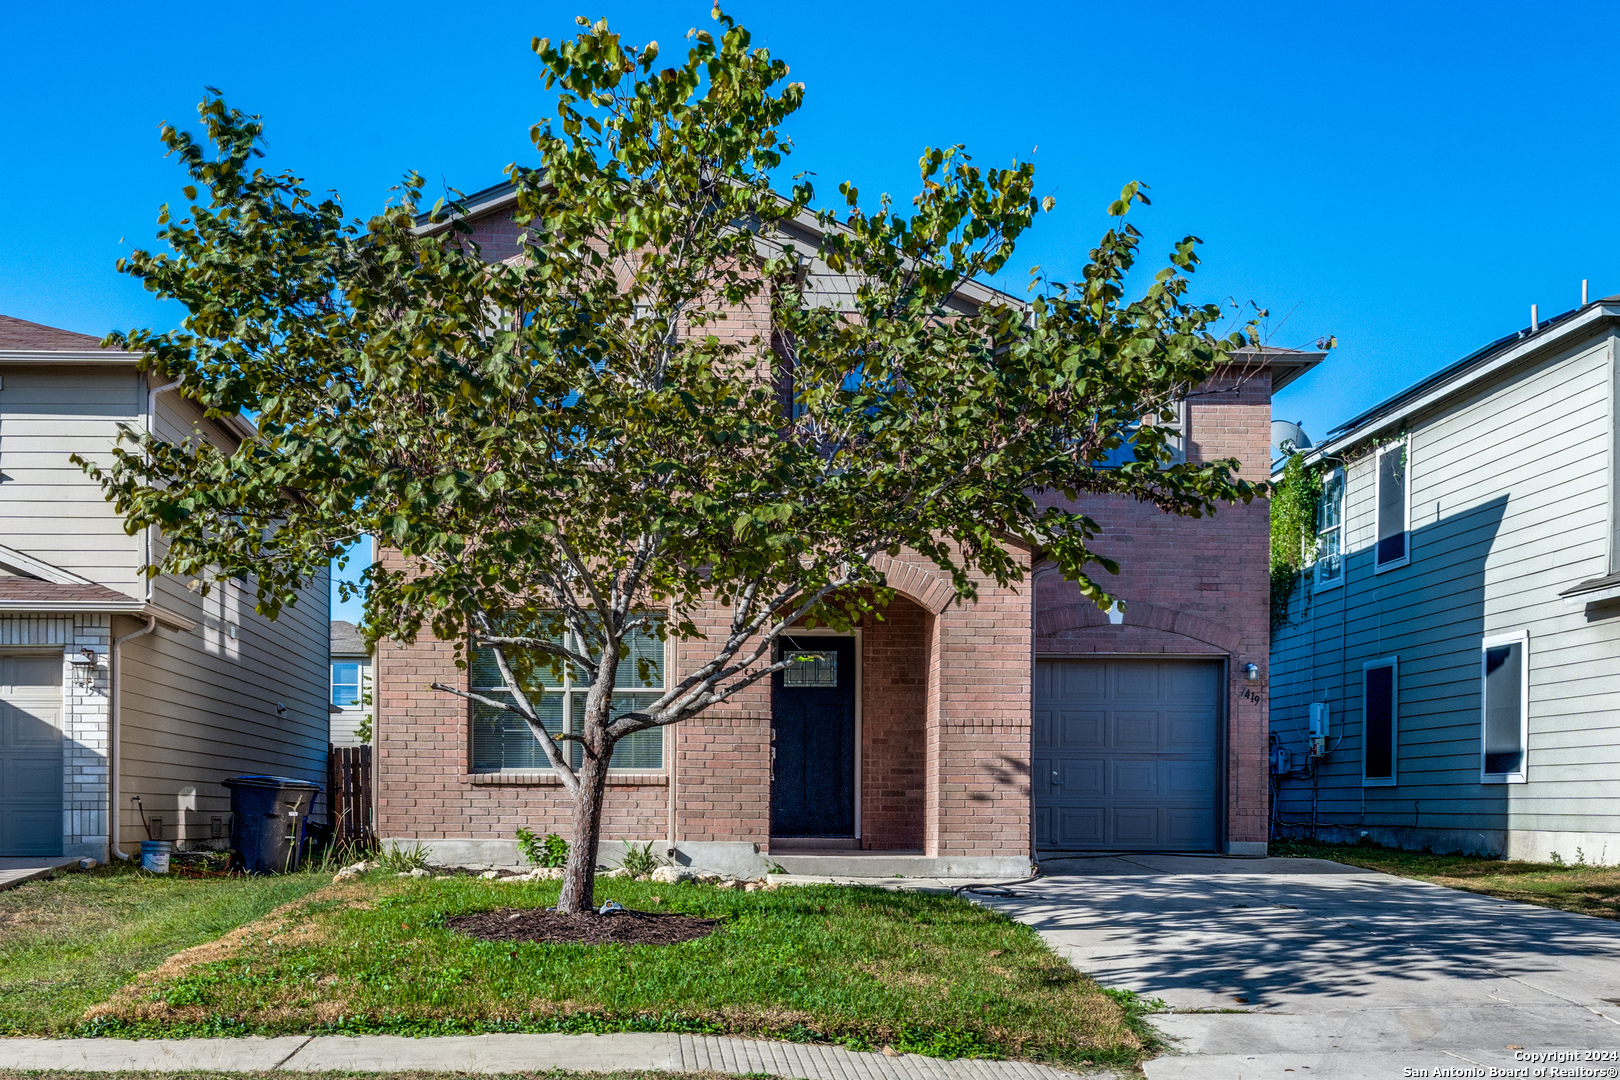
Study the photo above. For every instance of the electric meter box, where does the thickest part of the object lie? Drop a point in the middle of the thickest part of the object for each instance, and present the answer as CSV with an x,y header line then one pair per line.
x,y
1319,720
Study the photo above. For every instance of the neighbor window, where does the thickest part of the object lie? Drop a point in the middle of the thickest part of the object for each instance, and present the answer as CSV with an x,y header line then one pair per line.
x,y
1394,504
346,684
1505,692
502,740
1330,531
1173,421
1380,721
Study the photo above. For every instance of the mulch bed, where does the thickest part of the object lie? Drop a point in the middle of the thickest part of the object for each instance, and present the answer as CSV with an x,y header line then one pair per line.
x,y
620,928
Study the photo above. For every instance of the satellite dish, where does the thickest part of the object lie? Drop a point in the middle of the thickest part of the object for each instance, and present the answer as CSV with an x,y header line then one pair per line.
x,y
1287,436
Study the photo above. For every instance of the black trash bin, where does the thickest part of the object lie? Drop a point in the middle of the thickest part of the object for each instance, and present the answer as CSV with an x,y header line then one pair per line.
x,y
268,815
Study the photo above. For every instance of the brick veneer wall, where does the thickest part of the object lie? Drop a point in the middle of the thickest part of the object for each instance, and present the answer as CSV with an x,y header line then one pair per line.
x,y
945,759
894,726
1192,586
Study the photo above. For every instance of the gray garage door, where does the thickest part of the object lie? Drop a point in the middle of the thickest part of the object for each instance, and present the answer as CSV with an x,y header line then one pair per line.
x,y
30,755
1125,755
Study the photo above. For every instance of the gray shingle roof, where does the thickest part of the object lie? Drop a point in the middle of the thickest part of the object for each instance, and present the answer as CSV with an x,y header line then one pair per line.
x,y
347,639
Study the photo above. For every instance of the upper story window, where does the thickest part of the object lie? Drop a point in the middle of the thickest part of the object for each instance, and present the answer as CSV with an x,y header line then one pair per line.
x,y
502,740
1173,421
1394,507
1504,709
1330,531
346,684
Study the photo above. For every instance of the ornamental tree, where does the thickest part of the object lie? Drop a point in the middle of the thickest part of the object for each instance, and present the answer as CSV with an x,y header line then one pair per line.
x,y
568,450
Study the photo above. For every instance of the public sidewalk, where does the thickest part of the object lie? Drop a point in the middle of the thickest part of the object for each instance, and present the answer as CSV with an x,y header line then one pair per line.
x,y
508,1054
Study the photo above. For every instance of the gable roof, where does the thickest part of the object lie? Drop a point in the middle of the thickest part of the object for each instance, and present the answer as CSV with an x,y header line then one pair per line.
x,y
347,640
22,335
1471,371
1285,365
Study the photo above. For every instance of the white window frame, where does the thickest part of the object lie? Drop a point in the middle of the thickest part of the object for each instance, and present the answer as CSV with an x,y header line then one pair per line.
x,y
1521,776
359,685
568,691
1403,443
1337,475
1178,439
1393,779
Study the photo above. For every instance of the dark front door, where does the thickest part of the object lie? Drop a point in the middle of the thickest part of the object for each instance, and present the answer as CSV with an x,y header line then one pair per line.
x,y
813,739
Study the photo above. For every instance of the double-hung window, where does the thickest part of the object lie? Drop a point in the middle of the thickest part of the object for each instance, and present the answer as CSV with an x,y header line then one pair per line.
x,y
502,741
1172,421
1330,531
1394,546
346,684
1380,721
1504,675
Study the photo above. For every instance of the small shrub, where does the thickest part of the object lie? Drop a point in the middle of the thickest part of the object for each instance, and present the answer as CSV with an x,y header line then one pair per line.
x,y
403,860
640,861
1558,860
549,850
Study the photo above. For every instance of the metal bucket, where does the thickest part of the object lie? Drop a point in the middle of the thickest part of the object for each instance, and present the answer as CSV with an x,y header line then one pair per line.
x,y
155,856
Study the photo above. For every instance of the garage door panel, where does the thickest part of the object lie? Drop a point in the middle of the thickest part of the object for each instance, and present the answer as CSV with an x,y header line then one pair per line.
x,y
1189,828
1077,681
1135,731
32,779
1183,780
1193,683
1040,728
1137,827
1082,730
1138,767
1135,682
1134,779
30,755
1043,826
1082,827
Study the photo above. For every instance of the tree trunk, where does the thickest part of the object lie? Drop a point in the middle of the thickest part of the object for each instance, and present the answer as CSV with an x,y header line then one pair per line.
x,y
579,879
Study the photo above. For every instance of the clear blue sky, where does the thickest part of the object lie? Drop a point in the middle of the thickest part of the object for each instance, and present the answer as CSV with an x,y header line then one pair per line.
x,y
1410,178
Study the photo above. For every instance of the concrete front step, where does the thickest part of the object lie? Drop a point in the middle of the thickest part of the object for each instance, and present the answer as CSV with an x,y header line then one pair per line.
x,y
883,864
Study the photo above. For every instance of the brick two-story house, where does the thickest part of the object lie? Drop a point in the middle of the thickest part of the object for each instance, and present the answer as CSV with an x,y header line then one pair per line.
x,y
946,738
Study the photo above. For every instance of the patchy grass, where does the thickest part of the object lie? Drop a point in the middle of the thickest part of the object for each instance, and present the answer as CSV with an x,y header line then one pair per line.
x,y
922,973
67,943
1586,890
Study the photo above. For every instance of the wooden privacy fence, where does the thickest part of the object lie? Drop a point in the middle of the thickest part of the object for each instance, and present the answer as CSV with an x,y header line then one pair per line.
x,y
348,783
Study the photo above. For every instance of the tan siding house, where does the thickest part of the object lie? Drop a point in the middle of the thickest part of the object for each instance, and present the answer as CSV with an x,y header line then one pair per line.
x,y
125,700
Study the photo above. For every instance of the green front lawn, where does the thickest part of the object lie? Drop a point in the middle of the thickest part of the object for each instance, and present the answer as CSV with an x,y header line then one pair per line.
x,y
922,973
68,943
1586,890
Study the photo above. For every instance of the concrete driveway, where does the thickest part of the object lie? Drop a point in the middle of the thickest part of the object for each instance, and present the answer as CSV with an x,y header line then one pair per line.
x,y
1282,969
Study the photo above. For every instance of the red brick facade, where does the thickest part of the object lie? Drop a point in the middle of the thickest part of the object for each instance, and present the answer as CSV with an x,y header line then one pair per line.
x,y
945,688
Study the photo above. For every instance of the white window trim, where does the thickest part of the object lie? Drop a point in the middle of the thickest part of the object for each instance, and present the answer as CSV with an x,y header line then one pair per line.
x,y
1393,779
1405,442
1180,427
1344,561
1522,639
568,689
363,676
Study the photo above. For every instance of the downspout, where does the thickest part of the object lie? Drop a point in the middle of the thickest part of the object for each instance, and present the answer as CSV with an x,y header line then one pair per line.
x,y
115,732
151,423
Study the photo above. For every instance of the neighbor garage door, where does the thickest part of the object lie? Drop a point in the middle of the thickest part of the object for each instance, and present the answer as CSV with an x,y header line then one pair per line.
x,y
30,755
1125,755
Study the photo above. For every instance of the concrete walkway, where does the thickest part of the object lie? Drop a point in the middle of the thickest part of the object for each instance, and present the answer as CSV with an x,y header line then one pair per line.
x,y
1281,969
15,871
506,1054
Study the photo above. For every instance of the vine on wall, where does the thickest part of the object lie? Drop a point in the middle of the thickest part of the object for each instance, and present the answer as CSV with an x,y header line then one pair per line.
x,y
1293,533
